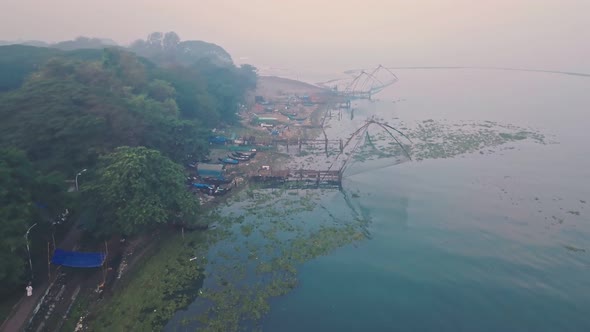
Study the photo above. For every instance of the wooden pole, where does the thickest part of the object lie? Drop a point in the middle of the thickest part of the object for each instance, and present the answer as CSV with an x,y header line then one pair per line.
x,y
48,262
104,263
104,274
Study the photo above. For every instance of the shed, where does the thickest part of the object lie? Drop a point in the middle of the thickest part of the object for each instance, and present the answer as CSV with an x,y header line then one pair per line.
x,y
210,170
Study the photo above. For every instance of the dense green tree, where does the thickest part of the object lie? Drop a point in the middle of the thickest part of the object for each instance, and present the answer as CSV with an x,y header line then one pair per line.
x,y
66,109
84,43
71,111
136,189
170,41
161,90
26,197
167,48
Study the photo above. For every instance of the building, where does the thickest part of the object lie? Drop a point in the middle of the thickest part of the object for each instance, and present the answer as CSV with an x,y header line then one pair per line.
x,y
210,170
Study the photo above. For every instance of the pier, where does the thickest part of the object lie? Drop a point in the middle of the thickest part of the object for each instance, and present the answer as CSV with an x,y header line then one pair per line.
x,y
300,142
301,178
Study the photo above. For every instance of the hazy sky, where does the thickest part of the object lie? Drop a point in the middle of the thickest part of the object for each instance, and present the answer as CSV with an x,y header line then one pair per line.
x,y
339,34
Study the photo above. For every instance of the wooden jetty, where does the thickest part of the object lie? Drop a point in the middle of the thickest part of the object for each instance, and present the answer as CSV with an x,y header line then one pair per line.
x,y
299,143
301,178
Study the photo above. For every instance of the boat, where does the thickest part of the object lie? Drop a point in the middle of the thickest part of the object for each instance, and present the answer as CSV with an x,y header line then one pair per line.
x,y
221,191
230,161
216,181
239,158
204,186
248,154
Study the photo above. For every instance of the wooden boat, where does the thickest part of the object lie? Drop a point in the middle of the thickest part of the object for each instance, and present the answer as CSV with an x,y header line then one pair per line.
x,y
216,181
239,158
230,161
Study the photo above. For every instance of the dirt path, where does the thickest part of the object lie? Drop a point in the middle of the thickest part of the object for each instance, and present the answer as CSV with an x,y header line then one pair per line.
x,y
23,310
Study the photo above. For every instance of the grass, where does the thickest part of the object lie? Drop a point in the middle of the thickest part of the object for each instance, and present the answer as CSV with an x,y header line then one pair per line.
x,y
158,287
78,310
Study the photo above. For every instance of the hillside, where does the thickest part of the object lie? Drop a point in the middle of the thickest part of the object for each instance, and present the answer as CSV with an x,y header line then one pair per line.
x,y
112,113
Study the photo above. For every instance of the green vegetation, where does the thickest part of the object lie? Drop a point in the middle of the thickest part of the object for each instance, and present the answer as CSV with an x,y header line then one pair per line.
x,y
79,309
168,48
440,139
285,229
134,190
574,249
25,195
156,290
126,119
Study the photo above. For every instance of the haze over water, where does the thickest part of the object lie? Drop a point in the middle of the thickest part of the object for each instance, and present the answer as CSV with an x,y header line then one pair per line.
x,y
480,242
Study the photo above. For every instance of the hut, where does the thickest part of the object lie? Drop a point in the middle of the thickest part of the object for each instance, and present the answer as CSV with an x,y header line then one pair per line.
x,y
210,171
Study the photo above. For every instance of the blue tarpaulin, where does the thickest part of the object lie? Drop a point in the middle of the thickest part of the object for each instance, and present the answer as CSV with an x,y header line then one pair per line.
x,y
218,139
202,186
77,259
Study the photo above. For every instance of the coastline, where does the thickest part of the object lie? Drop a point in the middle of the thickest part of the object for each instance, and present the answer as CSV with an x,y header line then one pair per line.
x,y
138,288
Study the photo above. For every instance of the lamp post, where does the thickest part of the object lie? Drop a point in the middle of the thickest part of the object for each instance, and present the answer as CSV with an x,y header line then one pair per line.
x,y
28,250
80,173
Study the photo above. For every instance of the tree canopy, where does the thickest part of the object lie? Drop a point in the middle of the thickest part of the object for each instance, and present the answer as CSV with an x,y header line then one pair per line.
x,y
135,189
169,48
79,109
130,120
24,192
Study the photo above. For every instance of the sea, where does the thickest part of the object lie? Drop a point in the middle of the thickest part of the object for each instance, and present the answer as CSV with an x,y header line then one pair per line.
x,y
475,233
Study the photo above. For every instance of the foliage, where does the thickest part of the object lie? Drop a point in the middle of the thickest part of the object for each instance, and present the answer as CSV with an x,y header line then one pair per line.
x,y
18,62
22,190
84,104
84,43
63,111
168,48
158,288
135,189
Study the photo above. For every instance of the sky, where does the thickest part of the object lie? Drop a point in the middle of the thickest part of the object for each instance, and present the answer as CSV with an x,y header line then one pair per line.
x,y
322,35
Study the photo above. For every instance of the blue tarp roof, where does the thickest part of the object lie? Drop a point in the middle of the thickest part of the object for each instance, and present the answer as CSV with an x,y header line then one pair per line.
x,y
202,186
217,139
210,174
77,259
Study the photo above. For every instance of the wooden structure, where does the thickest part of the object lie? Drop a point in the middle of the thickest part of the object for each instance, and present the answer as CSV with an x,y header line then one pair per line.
x,y
299,178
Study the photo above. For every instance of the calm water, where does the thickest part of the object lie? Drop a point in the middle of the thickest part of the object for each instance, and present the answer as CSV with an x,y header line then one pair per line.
x,y
472,243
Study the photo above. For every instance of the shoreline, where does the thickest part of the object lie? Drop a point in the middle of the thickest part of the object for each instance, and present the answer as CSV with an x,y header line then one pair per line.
x,y
149,256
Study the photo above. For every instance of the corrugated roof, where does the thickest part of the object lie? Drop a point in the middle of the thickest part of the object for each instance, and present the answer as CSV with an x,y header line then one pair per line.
x,y
210,167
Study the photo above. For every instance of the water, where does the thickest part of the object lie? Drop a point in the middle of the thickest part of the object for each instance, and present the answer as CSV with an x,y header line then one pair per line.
x,y
478,242
482,234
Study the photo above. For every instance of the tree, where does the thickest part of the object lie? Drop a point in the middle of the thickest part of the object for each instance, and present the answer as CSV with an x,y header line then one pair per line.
x,y
22,189
249,75
161,90
78,106
136,189
170,42
154,40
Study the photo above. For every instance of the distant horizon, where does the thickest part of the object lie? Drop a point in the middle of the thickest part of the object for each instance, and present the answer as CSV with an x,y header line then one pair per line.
x,y
328,35
294,72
